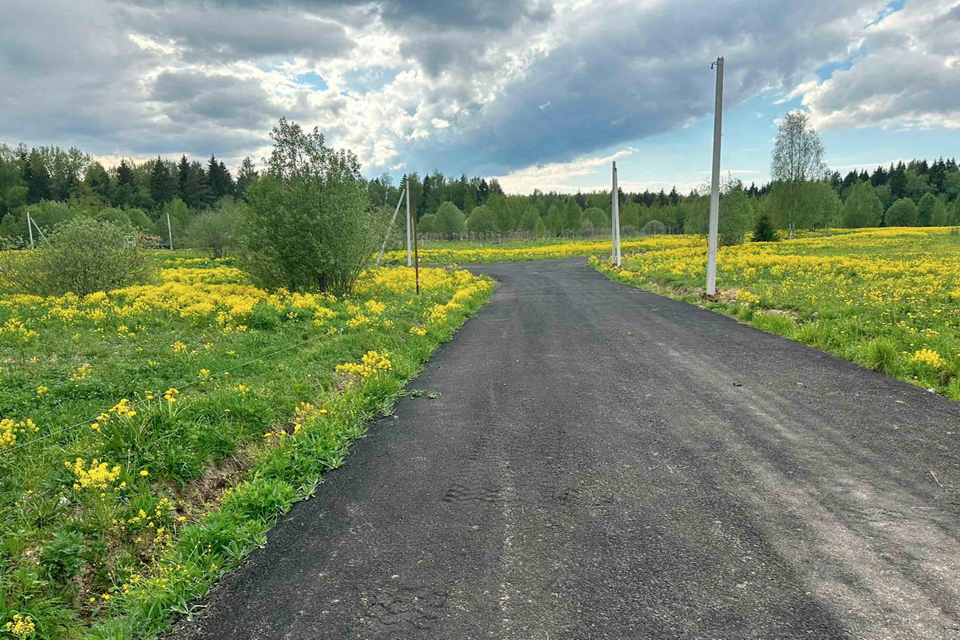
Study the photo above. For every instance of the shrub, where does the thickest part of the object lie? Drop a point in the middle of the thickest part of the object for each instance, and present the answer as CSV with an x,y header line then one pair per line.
x,y
450,220
428,223
628,231
308,224
763,230
81,256
217,230
902,213
483,220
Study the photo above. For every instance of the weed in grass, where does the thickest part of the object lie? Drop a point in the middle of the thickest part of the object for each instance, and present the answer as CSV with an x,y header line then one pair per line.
x,y
881,355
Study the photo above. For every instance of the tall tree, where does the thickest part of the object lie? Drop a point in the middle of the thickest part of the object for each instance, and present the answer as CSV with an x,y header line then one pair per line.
x,y
37,177
797,158
898,180
246,175
163,186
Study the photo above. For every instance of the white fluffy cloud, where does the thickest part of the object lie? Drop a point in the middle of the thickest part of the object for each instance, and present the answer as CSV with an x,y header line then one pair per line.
x,y
908,75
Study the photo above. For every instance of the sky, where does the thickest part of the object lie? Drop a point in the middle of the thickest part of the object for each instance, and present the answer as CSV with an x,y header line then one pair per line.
x,y
542,94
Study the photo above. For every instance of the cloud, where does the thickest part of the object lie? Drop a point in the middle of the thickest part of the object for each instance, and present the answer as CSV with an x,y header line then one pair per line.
x,y
558,176
515,88
908,77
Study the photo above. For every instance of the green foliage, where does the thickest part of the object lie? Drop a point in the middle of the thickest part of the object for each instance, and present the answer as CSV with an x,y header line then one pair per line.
x,y
428,223
938,217
218,230
880,355
540,229
308,224
62,557
598,217
572,216
81,256
483,220
763,230
451,222
530,218
862,208
903,213
925,209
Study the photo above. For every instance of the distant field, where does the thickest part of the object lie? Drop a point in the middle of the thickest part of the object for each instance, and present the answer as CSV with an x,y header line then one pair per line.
x,y
888,299
519,251
150,435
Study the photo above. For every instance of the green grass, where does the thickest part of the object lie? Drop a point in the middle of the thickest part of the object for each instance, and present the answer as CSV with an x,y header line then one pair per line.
x,y
200,480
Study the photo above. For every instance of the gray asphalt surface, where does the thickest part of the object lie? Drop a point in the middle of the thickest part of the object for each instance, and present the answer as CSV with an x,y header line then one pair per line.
x,y
607,463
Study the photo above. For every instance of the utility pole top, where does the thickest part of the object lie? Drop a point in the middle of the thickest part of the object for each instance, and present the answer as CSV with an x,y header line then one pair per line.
x,y
716,62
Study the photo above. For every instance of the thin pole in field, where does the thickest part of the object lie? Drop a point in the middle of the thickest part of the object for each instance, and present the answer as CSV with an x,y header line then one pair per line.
x,y
615,221
30,229
409,259
169,231
715,184
390,227
416,255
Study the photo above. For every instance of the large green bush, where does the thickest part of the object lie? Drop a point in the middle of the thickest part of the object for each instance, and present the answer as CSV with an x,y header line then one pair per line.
x,y
902,213
308,224
450,220
81,256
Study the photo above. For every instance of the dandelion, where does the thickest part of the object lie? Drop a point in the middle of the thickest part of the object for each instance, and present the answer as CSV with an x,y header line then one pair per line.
x,y
144,473
42,391
178,347
204,373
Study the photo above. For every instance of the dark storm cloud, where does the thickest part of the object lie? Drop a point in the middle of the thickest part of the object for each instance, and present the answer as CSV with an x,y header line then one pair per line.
x,y
192,96
627,74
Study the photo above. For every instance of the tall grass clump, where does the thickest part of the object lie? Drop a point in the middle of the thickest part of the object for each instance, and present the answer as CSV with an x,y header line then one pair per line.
x,y
881,355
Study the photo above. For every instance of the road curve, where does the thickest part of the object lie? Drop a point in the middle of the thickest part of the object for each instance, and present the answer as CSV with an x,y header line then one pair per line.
x,y
603,462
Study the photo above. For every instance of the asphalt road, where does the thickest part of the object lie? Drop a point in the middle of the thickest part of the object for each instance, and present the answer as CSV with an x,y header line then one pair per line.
x,y
607,463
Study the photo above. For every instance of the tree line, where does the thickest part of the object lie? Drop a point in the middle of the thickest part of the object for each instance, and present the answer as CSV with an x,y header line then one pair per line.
x,y
56,184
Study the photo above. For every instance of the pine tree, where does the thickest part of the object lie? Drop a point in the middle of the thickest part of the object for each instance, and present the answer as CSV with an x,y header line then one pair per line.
x,y
38,182
246,175
763,230
163,186
898,181
183,176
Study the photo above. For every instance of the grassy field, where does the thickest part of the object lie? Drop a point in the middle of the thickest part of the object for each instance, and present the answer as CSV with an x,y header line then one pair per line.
x,y
520,251
888,299
151,435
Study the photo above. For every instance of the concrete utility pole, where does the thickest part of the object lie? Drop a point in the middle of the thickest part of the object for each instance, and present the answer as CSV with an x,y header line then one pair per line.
x,y
30,229
715,185
615,222
409,257
169,231
390,227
